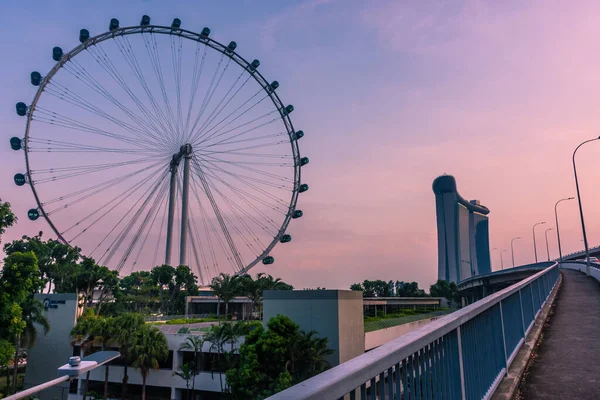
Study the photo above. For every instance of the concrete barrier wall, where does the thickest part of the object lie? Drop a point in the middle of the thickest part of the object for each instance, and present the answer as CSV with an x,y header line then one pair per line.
x,y
578,266
377,338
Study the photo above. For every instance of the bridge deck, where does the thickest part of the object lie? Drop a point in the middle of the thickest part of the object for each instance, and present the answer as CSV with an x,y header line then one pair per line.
x,y
567,360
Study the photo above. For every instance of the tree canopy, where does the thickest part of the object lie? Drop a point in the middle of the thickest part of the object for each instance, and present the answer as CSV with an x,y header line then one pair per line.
x,y
276,358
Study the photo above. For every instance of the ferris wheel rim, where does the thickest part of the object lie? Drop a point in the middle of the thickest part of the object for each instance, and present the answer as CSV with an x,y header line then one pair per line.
x,y
209,42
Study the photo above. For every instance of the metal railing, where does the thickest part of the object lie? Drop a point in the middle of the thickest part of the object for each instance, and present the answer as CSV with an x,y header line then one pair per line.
x,y
463,355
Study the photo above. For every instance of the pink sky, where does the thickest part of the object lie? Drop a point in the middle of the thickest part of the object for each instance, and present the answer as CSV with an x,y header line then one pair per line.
x,y
391,96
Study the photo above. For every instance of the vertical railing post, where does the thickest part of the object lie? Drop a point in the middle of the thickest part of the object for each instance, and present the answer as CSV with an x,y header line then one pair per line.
x,y
522,314
460,364
504,338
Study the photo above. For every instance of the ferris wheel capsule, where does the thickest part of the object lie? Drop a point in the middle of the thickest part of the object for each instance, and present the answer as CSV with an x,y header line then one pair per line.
x,y
304,161
84,35
145,20
205,32
20,179
298,135
113,25
285,238
254,64
16,143
231,46
21,109
176,23
303,188
57,53
268,260
287,110
297,214
36,78
33,214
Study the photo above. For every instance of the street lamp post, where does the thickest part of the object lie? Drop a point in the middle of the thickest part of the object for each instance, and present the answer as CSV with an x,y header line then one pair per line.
x,y
495,248
547,248
585,242
557,230
512,249
501,260
534,247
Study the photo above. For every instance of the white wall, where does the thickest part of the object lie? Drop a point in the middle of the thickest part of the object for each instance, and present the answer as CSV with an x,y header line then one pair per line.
x,y
594,272
377,338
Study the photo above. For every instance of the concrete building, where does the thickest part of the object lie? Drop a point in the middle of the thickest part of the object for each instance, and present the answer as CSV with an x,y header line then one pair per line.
x,y
463,233
335,314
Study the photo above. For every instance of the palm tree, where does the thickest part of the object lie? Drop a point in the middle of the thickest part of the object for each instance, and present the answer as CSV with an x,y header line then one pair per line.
x,y
150,348
104,335
217,336
186,372
195,344
33,313
83,334
225,287
126,327
306,356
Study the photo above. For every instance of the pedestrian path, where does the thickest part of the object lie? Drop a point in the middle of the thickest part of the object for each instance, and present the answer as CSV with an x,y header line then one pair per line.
x,y
568,359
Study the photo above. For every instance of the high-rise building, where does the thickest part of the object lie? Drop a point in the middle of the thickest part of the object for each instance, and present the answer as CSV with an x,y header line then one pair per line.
x,y
463,233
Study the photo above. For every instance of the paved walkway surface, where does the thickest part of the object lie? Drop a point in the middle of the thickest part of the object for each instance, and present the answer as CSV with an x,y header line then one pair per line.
x,y
568,361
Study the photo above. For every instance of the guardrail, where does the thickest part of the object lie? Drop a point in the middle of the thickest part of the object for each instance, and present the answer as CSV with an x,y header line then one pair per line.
x,y
460,356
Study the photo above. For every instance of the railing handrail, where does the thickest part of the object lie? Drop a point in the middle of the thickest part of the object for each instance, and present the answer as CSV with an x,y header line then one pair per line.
x,y
340,380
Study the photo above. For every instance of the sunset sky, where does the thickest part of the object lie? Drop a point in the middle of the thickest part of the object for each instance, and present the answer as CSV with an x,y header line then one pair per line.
x,y
390,94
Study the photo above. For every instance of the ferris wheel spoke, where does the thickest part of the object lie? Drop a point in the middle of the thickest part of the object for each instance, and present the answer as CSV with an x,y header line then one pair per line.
x,y
217,212
244,166
153,53
93,190
277,185
196,75
247,131
155,119
117,200
57,119
246,198
233,208
176,51
65,146
220,106
195,245
209,132
121,236
214,83
151,118
86,171
81,73
252,139
212,234
144,224
66,95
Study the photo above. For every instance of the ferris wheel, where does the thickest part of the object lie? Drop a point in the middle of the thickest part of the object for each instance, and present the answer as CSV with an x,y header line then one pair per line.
x,y
147,141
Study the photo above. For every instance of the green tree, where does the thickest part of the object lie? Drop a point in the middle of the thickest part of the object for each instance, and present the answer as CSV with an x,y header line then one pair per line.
x,y
358,287
7,351
186,372
127,327
225,287
32,313
254,289
444,289
195,344
409,289
150,348
275,358
217,337
7,218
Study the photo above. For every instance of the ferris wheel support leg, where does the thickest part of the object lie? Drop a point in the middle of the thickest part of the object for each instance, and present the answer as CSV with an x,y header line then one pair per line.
x,y
184,204
172,190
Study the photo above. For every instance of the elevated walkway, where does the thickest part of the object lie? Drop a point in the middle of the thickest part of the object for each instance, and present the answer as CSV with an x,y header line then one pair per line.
x,y
566,363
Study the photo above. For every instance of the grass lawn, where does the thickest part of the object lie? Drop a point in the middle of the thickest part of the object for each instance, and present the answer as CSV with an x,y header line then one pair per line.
x,y
395,319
